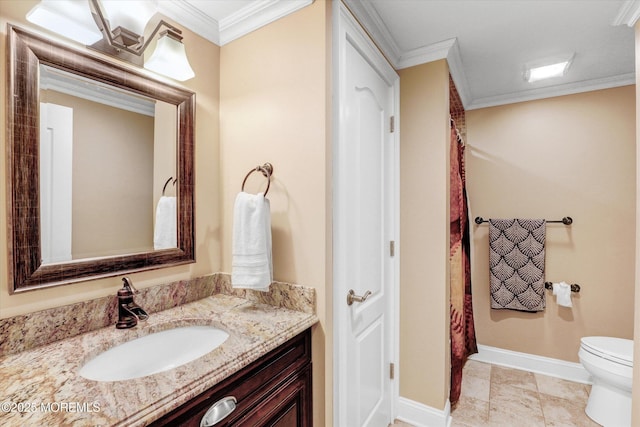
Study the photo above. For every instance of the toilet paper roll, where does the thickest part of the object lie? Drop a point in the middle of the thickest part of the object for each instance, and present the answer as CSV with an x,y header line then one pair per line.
x,y
562,291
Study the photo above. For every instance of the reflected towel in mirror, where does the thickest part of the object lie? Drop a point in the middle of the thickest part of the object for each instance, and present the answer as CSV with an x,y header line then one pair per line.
x,y
165,234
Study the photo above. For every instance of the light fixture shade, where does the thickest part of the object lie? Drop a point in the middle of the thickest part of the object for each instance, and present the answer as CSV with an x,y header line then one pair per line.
x,y
69,18
170,59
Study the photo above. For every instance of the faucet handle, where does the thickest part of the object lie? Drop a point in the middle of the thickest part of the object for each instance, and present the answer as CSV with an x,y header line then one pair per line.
x,y
129,284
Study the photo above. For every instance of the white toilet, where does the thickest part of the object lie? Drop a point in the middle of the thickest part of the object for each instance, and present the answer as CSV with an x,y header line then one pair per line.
x,y
610,363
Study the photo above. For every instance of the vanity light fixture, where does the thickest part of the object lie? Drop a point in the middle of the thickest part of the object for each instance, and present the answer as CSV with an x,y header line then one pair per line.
x,y
124,41
69,18
555,67
170,57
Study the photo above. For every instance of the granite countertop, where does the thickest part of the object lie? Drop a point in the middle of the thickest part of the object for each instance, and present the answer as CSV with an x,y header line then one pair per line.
x,y
41,385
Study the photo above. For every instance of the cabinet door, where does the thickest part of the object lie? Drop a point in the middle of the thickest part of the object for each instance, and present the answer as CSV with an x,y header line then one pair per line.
x,y
289,406
271,391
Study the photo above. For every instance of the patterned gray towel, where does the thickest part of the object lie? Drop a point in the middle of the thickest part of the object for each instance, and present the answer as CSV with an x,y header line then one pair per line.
x,y
516,262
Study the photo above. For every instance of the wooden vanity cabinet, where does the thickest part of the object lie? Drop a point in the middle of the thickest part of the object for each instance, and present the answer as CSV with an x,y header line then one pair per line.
x,y
275,391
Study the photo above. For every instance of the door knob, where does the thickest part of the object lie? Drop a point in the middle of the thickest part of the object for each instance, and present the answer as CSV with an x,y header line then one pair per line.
x,y
352,297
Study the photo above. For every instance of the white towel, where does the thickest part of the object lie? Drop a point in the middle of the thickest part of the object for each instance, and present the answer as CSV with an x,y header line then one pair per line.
x,y
251,264
165,234
562,291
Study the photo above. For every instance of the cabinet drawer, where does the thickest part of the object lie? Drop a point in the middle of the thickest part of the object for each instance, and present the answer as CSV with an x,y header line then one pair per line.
x,y
251,386
288,406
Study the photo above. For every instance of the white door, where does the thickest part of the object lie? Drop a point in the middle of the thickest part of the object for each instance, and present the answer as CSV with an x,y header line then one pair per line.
x,y
365,200
56,153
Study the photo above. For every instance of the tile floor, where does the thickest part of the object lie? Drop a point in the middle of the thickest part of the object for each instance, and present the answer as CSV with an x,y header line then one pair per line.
x,y
494,396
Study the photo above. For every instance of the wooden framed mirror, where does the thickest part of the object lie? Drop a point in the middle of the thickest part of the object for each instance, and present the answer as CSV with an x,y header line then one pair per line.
x,y
27,55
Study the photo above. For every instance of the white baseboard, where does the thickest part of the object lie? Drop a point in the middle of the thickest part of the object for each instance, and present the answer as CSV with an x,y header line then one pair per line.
x,y
530,362
420,415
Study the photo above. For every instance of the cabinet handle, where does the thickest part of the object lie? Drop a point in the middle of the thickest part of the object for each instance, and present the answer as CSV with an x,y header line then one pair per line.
x,y
218,411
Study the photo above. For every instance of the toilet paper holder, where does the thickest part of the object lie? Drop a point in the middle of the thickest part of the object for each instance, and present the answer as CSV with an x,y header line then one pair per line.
x,y
574,287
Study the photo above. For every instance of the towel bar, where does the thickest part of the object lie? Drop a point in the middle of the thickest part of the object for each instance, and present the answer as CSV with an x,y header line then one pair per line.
x,y
567,220
574,288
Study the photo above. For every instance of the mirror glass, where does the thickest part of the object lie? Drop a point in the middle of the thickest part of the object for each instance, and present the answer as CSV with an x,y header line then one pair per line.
x,y
99,167
105,155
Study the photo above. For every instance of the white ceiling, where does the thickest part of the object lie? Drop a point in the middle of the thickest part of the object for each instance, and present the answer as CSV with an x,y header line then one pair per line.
x,y
487,42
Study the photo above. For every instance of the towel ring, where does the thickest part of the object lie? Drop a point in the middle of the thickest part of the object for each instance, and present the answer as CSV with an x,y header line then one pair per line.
x,y
267,171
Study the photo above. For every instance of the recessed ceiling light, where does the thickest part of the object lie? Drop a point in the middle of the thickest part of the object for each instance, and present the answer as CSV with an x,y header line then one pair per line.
x,y
547,69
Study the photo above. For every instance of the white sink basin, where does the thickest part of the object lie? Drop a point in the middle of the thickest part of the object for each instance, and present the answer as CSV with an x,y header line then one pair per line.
x,y
153,353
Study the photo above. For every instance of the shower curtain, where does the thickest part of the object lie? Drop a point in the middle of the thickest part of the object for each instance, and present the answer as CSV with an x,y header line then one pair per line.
x,y
463,337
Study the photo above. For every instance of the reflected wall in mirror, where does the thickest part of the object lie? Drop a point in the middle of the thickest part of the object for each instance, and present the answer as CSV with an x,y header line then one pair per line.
x,y
103,164
88,208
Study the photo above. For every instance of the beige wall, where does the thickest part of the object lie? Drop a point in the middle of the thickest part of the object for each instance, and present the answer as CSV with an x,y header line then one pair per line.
x,y
204,58
275,107
564,156
112,182
424,234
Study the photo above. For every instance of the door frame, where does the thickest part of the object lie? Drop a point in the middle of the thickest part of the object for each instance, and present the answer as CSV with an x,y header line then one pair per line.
x,y
345,27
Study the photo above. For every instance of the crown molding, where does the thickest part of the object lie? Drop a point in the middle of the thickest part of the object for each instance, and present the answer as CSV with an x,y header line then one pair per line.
x,y
250,18
189,16
456,69
369,18
263,12
552,91
256,15
422,55
91,90
447,49
628,14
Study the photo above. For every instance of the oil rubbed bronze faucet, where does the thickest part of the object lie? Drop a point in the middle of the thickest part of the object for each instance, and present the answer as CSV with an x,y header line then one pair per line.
x,y
128,311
